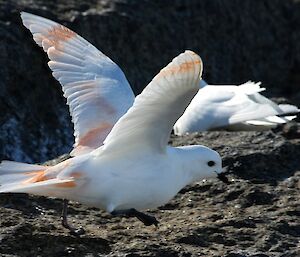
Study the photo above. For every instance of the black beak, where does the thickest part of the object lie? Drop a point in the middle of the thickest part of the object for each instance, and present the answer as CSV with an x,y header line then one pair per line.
x,y
223,178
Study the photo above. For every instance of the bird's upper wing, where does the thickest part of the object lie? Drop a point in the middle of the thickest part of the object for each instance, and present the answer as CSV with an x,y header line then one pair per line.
x,y
236,103
215,105
204,110
97,91
148,123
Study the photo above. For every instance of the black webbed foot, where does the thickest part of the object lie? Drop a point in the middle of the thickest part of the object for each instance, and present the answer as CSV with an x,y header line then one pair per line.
x,y
145,218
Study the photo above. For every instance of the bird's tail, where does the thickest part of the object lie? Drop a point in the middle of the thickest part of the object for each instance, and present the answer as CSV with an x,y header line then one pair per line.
x,y
250,88
15,174
268,122
17,177
288,109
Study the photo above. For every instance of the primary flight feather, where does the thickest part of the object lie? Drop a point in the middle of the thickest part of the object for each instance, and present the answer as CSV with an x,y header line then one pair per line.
x,y
97,91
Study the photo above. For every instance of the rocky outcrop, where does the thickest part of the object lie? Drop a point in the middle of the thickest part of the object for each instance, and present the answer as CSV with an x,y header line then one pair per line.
x,y
238,41
256,215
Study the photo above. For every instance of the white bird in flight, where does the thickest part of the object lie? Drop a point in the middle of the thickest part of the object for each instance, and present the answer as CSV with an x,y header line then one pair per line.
x,y
133,169
232,107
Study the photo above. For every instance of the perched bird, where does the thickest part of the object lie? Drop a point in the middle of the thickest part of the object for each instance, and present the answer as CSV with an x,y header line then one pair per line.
x,y
232,107
133,169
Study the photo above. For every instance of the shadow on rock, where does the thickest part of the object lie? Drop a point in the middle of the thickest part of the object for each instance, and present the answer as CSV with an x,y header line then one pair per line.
x,y
35,243
269,167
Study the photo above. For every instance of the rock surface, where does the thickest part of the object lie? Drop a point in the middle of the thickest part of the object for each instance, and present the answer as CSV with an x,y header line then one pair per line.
x,y
257,215
238,41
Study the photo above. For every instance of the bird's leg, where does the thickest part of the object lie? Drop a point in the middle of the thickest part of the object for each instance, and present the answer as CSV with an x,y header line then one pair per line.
x,y
145,218
64,221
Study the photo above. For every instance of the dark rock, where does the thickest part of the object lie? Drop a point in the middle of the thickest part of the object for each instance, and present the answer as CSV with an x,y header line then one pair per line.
x,y
285,228
193,240
291,130
235,255
257,198
233,195
259,255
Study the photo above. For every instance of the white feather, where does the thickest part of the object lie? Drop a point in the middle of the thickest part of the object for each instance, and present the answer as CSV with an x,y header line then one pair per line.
x,y
149,121
223,106
107,94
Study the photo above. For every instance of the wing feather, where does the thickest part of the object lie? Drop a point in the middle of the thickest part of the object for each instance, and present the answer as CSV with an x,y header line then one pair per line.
x,y
219,106
148,123
97,91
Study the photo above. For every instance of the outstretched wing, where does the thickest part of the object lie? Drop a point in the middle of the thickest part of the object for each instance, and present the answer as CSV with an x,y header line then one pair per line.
x,y
97,91
148,123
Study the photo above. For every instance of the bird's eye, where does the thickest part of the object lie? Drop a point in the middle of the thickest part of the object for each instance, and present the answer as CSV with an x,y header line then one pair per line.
x,y
211,163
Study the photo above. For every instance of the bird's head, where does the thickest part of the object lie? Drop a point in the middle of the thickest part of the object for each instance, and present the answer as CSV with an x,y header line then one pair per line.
x,y
202,162
210,162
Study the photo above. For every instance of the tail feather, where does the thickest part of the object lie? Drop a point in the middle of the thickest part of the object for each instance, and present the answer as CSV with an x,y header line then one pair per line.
x,y
290,117
250,88
16,177
261,123
18,167
44,188
288,109
276,119
16,172
271,120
